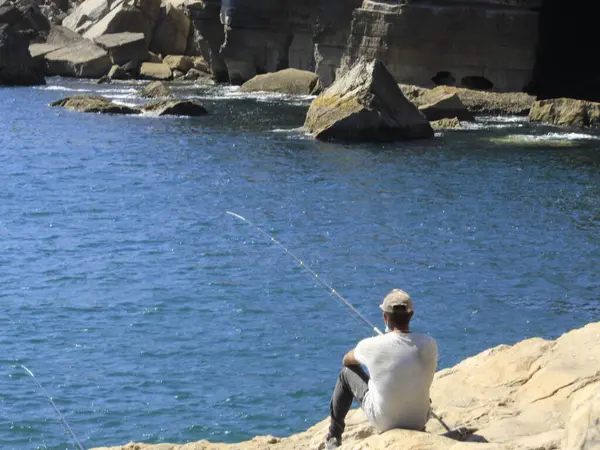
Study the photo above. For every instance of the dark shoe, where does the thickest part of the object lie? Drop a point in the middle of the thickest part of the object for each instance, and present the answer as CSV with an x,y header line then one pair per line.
x,y
332,443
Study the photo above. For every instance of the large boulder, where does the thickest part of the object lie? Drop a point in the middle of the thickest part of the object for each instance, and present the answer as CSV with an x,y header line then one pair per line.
x,y
287,81
94,104
447,107
171,32
156,89
155,71
187,108
179,62
62,36
82,59
365,104
124,47
566,112
94,18
25,15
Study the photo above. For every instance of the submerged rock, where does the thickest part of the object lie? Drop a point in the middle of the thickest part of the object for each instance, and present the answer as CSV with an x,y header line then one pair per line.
x,y
534,395
447,123
365,104
566,112
94,104
287,81
188,108
156,89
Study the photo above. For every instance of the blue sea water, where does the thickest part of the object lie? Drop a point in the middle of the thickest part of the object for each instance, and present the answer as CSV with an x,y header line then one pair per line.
x,y
150,315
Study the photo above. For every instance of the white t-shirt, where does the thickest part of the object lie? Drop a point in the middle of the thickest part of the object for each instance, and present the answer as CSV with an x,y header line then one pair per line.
x,y
401,369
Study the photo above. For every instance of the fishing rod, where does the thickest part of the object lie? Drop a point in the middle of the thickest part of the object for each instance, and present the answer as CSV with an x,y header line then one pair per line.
x,y
327,286
309,270
56,410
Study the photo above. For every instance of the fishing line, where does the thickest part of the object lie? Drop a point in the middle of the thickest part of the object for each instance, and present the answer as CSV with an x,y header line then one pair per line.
x,y
56,410
323,283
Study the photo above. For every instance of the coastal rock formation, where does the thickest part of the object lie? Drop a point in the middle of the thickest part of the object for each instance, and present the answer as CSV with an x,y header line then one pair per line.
x,y
445,124
171,32
94,18
179,62
365,104
476,102
124,47
81,59
566,112
287,81
534,395
20,22
156,89
187,108
94,104
480,44
446,107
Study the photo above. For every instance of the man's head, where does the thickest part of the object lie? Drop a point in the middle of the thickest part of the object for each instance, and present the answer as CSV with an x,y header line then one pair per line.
x,y
397,310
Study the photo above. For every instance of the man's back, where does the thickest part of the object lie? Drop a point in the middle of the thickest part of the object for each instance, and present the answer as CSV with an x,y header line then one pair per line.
x,y
401,368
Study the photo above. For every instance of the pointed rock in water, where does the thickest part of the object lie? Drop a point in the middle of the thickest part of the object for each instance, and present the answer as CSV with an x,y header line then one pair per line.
x,y
94,104
156,89
188,108
365,104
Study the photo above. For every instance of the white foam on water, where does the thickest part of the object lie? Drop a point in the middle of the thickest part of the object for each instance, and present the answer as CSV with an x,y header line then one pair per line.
x,y
61,88
554,137
506,119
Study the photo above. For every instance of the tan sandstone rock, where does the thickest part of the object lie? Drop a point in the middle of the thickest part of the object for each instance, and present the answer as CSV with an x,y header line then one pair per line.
x,y
287,81
365,104
155,71
535,395
187,108
171,33
124,47
81,59
179,62
566,112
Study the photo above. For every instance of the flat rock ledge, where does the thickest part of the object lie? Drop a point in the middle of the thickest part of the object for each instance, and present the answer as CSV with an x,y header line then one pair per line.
x,y
534,395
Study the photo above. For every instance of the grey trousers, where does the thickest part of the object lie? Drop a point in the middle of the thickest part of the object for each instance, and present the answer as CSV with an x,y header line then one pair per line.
x,y
352,384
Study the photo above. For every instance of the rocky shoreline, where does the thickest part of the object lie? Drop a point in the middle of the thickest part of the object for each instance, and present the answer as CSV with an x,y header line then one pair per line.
x,y
534,395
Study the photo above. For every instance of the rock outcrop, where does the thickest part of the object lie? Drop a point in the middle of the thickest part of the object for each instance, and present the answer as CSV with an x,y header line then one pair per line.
x,y
365,104
171,32
566,112
287,81
20,22
124,47
94,104
535,395
155,71
476,102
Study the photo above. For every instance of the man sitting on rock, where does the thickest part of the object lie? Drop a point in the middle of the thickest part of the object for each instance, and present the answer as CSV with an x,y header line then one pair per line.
x,y
401,366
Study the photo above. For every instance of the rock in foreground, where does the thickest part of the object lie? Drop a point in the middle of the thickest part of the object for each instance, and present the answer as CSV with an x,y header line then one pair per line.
x,y
156,89
94,104
566,112
365,104
287,81
537,394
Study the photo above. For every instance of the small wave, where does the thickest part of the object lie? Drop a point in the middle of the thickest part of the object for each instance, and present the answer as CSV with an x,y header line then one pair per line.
x,y
557,137
505,119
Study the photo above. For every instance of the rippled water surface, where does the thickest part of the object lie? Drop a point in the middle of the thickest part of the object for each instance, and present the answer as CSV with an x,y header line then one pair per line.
x,y
150,315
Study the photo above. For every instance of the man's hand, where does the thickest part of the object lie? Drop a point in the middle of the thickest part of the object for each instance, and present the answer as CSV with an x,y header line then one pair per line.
x,y
350,360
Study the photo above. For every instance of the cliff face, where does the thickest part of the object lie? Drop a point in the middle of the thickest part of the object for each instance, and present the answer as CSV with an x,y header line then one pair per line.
x,y
535,395
476,44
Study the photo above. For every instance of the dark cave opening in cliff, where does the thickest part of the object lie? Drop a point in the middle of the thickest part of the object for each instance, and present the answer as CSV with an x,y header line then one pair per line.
x,y
567,51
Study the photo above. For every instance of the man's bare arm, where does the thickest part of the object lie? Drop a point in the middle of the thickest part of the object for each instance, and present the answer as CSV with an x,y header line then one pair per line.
x,y
349,359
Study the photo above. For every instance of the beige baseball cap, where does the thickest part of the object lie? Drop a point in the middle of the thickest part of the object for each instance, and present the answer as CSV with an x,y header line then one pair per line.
x,y
397,300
